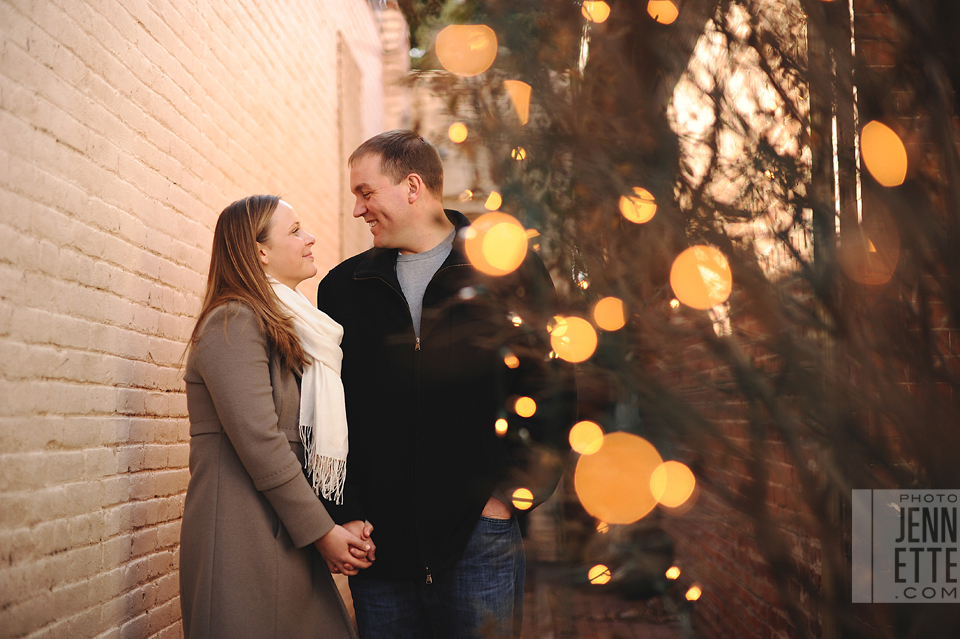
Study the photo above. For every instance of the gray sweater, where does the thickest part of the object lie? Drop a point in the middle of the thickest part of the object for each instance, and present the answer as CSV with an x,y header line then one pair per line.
x,y
416,270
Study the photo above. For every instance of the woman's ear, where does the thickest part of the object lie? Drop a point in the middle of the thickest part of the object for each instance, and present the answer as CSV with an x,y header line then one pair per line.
x,y
262,254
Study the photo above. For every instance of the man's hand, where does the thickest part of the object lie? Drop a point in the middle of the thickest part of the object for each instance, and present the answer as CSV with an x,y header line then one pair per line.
x,y
363,530
343,551
496,509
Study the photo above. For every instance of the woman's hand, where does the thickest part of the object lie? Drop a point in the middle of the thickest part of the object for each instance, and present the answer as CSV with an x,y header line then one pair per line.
x,y
344,551
363,530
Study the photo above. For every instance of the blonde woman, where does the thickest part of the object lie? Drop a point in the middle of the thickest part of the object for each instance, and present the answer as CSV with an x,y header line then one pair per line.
x,y
257,546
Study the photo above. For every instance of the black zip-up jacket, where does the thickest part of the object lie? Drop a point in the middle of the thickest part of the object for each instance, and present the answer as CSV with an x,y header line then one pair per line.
x,y
424,453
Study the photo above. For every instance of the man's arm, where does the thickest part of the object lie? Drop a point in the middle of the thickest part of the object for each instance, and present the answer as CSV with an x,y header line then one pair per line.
x,y
538,458
351,510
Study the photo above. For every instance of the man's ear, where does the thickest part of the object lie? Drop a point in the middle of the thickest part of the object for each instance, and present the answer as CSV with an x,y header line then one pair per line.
x,y
415,187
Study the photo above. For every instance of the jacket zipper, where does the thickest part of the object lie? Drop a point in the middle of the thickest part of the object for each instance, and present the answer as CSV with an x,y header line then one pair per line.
x,y
416,383
416,348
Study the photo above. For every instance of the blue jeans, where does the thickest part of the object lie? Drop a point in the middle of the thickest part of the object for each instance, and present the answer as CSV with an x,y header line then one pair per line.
x,y
480,597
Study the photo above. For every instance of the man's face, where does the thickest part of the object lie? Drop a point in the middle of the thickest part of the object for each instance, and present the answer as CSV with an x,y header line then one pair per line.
x,y
383,205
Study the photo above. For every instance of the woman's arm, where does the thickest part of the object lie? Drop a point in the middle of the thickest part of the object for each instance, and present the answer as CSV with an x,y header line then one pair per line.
x,y
233,359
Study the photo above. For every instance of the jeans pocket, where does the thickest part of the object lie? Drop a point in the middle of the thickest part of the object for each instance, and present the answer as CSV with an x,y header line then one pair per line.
x,y
494,524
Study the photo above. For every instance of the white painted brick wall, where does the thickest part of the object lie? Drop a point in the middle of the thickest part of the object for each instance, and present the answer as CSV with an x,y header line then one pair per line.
x,y
125,127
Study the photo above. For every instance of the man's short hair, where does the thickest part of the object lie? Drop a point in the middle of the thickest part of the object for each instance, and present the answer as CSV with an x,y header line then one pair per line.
x,y
403,152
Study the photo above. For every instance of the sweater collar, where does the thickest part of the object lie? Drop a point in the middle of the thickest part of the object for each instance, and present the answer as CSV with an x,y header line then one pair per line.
x,y
382,262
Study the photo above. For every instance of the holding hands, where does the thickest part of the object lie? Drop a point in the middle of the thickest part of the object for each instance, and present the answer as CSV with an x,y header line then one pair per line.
x,y
348,548
363,530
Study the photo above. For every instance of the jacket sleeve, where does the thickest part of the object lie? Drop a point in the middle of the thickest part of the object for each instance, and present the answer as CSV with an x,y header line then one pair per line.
x,y
232,358
538,460
323,296
351,509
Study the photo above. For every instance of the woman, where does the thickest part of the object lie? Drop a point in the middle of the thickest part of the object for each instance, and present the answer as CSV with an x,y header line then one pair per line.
x,y
257,545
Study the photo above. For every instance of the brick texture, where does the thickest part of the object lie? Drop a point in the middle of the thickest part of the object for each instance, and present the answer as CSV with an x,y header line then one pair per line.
x,y
717,543
124,129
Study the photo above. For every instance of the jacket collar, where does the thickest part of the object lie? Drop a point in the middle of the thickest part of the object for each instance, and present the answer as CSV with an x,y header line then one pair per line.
x,y
382,263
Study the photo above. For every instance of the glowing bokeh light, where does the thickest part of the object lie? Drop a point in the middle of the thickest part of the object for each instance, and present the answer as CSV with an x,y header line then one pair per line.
x,y
495,243
522,499
613,484
516,320
701,278
586,437
595,11
511,361
672,484
639,207
608,314
466,195
884,154
663,11
672,572
870,252
575,341
525,407
504,246
557,326
519,154
603,527
674,303
457,132
694,593
599,575
466,49
532,234
500,426
520,97
493,201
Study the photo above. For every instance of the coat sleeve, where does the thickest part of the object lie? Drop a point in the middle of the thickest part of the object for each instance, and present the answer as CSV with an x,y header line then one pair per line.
x,y
232,358
538,461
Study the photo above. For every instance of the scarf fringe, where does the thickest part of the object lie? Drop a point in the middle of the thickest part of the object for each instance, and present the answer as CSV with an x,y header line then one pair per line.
x,y
327,475
323,419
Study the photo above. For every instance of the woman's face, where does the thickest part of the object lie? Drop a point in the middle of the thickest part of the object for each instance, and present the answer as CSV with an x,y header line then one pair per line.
x,y
287,254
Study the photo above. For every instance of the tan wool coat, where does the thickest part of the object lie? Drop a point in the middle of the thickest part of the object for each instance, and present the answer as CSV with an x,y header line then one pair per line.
x,y
248,567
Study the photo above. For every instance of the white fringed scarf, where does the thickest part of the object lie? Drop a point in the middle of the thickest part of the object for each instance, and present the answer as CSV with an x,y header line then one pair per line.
x,y
323,415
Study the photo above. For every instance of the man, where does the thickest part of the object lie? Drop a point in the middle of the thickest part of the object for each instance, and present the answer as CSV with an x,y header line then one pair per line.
x,y
425,337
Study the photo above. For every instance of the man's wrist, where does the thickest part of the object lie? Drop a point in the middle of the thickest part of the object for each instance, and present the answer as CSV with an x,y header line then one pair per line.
x,y
496,509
